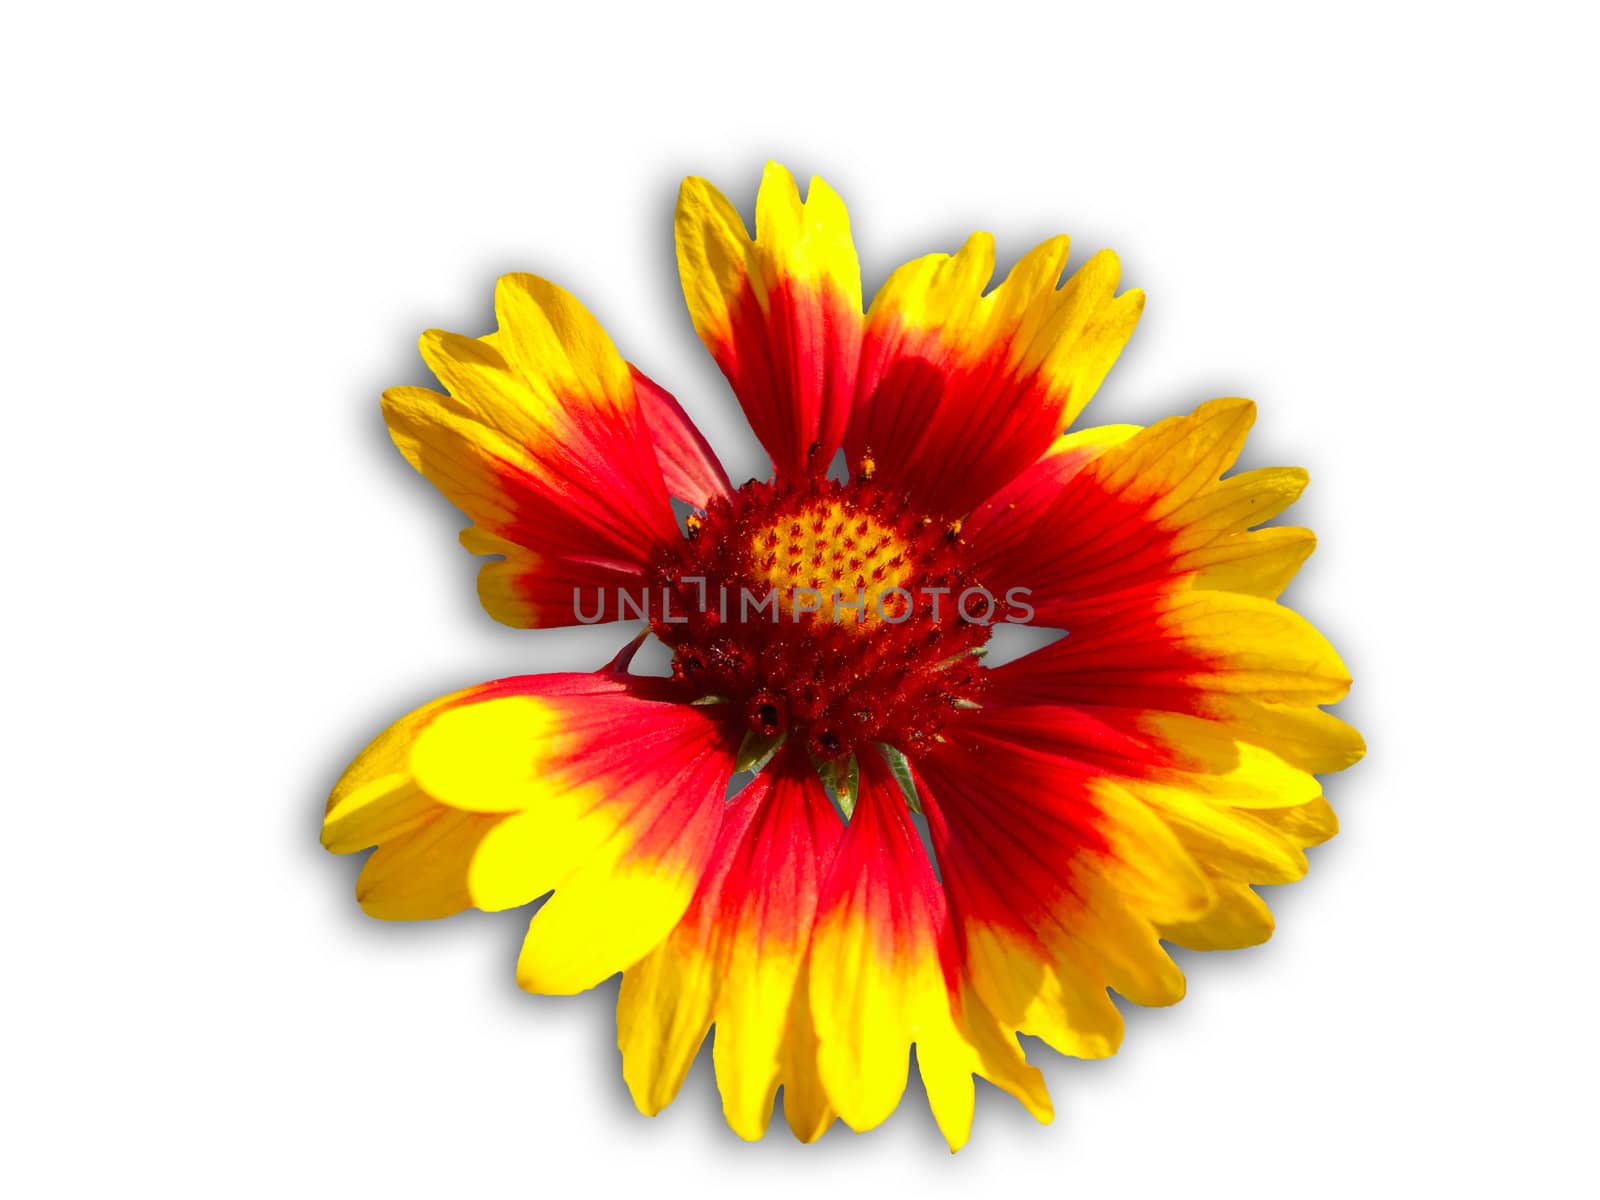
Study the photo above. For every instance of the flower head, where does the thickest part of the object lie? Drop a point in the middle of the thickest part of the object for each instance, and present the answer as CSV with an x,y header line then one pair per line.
x,y
1124,785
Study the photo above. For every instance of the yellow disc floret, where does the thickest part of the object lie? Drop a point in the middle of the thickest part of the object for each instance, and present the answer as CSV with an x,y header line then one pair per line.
x,y
837,562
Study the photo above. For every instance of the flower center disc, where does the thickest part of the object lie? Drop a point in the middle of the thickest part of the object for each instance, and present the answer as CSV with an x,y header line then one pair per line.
x,y
832,611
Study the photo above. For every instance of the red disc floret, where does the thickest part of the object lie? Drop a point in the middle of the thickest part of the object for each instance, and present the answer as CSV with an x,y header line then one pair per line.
x,y
829,611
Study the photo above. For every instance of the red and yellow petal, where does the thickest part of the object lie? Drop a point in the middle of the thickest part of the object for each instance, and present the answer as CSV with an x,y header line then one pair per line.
x,y
689,466
736,959
960,391
543,442
1229,685
1059,882
1204,706
1253,668
597,786
781,313
1240,813
1148,557
883,976
1113,510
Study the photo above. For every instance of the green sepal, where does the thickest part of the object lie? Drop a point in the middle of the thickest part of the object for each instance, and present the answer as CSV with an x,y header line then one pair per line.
x,y
843,781
902,775
757,749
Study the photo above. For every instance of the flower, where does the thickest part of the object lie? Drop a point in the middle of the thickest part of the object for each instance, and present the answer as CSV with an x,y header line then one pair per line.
x,y
1126,784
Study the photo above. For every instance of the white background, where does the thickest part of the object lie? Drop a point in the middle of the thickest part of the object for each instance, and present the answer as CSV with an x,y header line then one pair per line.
x,y
224,231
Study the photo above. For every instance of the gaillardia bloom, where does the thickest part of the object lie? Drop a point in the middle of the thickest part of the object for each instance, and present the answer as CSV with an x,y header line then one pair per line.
x,y
1124,785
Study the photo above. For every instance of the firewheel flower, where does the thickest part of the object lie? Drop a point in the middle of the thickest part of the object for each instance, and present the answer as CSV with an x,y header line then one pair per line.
x,y
930,851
